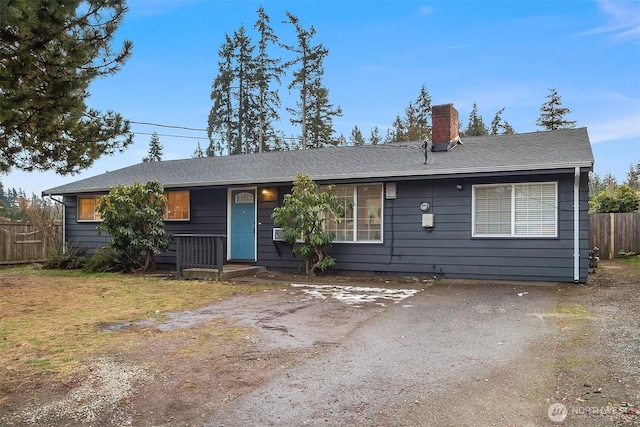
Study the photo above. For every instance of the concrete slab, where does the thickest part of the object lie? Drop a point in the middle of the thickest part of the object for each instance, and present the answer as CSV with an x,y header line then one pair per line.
x,y
228,272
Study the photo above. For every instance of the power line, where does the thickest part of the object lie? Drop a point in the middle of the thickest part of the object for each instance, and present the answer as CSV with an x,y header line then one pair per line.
x,y
167,126
167,135
292,138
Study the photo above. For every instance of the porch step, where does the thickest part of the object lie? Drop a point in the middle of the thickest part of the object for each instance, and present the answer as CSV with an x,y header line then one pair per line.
x,y
229,271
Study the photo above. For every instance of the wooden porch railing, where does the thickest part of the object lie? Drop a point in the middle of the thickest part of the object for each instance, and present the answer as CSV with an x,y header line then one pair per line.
x,y
199,251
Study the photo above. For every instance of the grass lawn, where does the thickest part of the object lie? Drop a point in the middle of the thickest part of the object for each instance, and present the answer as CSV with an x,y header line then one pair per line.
x,y
50,319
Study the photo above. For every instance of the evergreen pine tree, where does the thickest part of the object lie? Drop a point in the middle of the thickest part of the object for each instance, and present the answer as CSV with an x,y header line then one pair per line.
x,y
221,125
552,114
419,127
155,149
375,138
356,136
314,113
416,123
398,131
500,126
633,177
199,152
268,72
476,126
320,114
50,52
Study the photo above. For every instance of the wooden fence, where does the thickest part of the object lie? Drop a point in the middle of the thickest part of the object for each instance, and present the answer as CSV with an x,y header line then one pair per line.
x,y
24,242
614,232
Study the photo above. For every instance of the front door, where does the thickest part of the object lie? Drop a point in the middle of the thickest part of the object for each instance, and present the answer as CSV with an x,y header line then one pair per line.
x,y
243,225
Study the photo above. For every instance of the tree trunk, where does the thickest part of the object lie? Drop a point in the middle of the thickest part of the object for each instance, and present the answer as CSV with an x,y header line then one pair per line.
x,y
149,262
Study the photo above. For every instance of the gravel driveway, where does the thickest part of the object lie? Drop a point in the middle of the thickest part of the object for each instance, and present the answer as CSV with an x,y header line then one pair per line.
x,y
365,351
403,365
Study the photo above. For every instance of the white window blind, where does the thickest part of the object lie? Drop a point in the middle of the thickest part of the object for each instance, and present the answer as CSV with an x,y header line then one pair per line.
x,y
515,210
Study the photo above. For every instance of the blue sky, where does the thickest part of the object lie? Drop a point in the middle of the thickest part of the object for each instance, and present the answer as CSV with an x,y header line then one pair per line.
x,y
494,53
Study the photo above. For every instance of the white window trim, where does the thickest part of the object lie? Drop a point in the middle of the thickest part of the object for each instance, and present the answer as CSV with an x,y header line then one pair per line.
x,y
166,208
96,197
165,215
355,214
513,234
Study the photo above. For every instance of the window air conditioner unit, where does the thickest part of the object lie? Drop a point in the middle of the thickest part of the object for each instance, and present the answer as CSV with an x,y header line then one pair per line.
x,y
278,234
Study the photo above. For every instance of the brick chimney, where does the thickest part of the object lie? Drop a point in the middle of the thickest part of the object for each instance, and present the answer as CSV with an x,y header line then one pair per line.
x,y
444,130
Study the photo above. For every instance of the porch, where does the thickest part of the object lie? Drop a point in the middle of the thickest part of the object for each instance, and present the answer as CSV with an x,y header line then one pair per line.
x,y
201,256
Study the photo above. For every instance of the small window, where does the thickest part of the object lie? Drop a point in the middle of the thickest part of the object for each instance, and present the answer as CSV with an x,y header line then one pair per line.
x,y
177,208
515,210
87,206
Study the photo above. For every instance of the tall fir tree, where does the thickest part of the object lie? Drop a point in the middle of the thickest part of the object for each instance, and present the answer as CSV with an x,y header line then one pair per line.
x,y
155,149
419,127
596,184
268,73
416,123
398,131
245,76
50,52
633,177
320,114
476,126
374,137
198,153
610,182
500,126
552,113
356,136
221,126
313,112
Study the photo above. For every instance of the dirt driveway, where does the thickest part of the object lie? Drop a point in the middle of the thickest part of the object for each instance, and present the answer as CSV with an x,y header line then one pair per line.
x,y
414,354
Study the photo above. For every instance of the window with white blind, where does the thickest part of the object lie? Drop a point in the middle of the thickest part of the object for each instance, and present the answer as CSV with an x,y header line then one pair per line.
x,y
515,210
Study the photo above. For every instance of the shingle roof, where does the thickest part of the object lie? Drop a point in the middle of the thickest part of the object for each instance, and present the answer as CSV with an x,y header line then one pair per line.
x,y
552,150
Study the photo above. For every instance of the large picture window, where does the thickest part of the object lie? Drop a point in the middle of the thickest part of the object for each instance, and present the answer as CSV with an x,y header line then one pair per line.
x,y
362,222
515,210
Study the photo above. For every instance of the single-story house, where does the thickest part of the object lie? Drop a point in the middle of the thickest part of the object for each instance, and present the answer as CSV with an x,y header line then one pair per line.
x,y
511,207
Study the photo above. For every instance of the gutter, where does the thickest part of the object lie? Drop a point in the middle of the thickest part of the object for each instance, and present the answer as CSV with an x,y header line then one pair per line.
x,y
416,173
576,225
64,223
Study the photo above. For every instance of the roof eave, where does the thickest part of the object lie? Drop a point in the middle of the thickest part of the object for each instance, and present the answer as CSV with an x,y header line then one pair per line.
x,y
384,174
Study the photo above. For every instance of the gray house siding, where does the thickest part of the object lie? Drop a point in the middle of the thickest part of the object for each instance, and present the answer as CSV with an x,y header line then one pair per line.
x,y
445,181
448,249
81,234
208,216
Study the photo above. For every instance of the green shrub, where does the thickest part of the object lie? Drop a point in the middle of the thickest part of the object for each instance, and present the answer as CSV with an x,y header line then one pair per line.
x,y
107,260
73,258
625,254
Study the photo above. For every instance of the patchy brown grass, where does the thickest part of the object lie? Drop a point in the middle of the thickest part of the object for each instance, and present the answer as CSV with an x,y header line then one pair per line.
x,y
49,320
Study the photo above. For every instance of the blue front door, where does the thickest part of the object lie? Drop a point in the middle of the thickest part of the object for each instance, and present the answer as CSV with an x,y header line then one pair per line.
x,y
243,225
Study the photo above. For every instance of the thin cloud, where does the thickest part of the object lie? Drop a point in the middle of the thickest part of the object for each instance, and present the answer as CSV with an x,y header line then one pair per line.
x,y
623,20
425,11
615,129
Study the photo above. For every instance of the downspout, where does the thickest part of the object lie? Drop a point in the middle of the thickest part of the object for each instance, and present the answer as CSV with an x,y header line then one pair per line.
x,y
64,223
576,225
